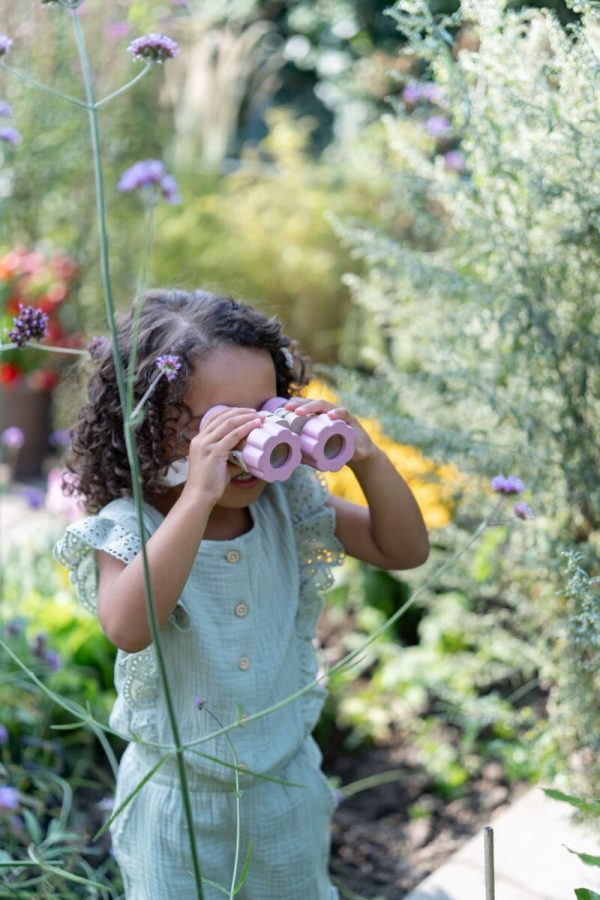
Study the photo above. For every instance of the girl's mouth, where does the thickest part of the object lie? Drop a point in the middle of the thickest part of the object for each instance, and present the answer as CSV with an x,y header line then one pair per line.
x,y
244,481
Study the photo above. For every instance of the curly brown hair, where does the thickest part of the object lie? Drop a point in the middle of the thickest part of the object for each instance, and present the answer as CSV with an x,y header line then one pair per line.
x,y
172,322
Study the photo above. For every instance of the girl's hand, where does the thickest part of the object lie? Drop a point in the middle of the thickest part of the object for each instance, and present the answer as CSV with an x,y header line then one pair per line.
x,y
365,448
209,468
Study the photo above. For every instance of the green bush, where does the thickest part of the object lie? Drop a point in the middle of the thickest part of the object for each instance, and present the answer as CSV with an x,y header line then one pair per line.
x,y
489,313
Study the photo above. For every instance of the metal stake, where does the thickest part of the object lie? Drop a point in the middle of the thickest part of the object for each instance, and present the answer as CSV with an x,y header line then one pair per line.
x,y
488,849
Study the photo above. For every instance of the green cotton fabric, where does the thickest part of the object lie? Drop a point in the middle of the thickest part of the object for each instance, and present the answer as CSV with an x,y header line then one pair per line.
x,y
239,640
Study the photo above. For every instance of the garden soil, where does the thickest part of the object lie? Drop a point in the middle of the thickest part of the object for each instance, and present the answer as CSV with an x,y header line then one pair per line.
x,y
387,839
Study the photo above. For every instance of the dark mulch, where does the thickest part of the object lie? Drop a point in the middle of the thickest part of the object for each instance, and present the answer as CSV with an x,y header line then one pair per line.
x,y
382,847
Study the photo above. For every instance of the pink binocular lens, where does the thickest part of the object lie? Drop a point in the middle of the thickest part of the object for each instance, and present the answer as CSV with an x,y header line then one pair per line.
x,y
270,452
326,444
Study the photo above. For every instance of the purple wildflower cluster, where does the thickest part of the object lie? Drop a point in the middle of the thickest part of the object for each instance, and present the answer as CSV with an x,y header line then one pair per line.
x,y
30,324
39,648
168,365
149,173
438,126
154,48
424,91
5,44
507,485
522,511
12,438
97,346
9,798
3,735
9,135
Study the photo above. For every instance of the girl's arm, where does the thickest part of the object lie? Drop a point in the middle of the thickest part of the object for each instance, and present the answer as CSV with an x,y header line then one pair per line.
x,y
389,533
172,549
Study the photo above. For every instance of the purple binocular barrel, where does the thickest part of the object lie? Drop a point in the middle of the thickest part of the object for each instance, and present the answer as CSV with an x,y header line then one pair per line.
x,y
271,451
327,444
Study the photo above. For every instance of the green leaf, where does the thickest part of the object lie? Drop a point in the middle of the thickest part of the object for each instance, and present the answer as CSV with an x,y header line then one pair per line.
x,y
585,857
584,805
586,894
245,869
33,827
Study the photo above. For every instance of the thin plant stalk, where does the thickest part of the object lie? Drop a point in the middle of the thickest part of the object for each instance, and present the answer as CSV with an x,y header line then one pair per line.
x,y
43,87
142,283
37,346
125,87
129,438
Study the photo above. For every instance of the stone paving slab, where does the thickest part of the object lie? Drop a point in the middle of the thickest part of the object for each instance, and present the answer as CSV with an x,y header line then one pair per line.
x,y
530,857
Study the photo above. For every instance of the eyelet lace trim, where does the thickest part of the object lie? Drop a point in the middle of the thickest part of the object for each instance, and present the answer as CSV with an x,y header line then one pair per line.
x,y
136,674
318,551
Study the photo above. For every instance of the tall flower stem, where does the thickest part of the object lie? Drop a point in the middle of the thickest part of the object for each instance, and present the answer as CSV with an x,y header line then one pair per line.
x,y
141,286
124,88
129,437
43,87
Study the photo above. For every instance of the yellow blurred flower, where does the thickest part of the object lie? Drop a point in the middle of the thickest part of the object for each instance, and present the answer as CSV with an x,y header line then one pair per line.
x,y
433,485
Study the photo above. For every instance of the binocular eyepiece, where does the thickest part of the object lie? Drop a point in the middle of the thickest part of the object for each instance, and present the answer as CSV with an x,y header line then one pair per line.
x,y
285,439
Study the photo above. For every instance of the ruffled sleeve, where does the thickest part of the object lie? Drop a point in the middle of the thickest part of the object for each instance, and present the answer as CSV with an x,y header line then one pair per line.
x,y
318,551
114,530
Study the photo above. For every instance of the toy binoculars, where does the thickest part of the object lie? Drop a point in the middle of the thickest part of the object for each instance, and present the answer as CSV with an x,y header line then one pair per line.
x,y
285,439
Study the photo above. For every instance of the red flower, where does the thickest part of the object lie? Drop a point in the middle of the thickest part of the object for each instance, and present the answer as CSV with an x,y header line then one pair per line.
x,y
8,373
43,379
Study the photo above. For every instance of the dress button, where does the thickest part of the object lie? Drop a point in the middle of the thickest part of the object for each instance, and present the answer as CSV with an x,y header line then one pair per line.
x,y
241,610
243,662
232,556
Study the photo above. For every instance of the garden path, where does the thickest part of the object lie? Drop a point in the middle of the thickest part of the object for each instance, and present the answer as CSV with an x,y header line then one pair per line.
x,y
531,859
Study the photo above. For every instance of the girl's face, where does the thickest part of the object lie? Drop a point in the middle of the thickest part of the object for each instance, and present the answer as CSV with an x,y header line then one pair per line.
x,y
232,376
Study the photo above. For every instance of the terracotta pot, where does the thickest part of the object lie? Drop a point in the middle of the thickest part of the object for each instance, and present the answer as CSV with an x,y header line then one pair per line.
x,y
31,411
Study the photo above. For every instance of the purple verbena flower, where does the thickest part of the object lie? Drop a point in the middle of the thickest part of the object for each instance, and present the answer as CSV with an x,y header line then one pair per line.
x,y
412,93
433,93
154,48
199,704
38,646
522,511
438,126
15,628
60,438
170,190
507,485
3,735
150,173
52,660
454,160
9,798
142,174
5,44
10,135
33,497
30,324
5,110
12,437
168,365
97,346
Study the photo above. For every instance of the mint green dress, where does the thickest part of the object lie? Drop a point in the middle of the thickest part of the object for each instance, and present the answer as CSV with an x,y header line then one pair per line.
x,y
239,640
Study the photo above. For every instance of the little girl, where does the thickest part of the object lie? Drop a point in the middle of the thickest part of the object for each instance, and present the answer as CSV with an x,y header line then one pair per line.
x,y
236,567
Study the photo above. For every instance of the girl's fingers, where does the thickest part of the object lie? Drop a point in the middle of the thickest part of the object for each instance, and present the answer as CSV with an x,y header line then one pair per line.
x,y
228,432
221,422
